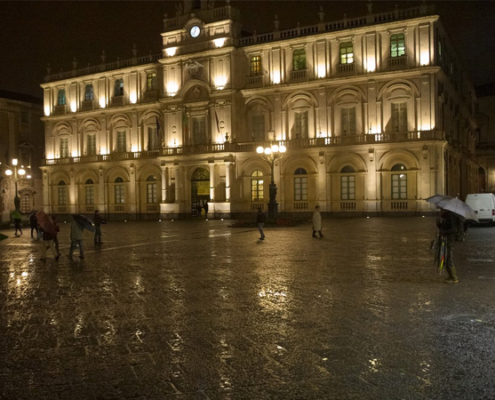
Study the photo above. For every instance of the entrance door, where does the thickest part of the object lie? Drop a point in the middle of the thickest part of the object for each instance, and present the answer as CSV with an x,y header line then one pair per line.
x,y
200,190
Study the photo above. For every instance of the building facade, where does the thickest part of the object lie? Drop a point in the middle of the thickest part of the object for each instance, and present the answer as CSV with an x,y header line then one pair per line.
x,y
485,141
21,138
375,112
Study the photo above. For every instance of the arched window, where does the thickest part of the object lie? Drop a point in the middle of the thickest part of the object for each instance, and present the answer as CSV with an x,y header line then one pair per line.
x,y
399,182
90,192
347,184
61,97
88,93
399,117
153,136
151,195
119,191
300,185
257,186
62,194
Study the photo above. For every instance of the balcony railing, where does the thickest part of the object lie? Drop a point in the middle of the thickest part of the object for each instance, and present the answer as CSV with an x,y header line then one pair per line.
x,y
242,147
345,68
397,62
254,81
299,75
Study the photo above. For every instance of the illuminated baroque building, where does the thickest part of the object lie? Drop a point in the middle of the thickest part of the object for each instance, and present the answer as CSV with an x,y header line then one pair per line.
x,y
375,112
21,138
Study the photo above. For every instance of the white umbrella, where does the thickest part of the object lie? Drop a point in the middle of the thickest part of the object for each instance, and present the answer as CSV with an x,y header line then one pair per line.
x,y
453,204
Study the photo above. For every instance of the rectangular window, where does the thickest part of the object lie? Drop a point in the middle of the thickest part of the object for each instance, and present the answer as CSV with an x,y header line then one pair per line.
x,y
399,117
152,138
199,130
347,188
349,121
91,145
151,82
119,194
301,120
61,97
397,45
151,196
299,59
257,190
119,87
62,196
346,53
256,65
88,93
90,195
64,147
399,186
121,144
301,189
258,126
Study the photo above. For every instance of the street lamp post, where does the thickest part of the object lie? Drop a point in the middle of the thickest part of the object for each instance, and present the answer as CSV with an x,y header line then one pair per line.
x,y
21,172
271,155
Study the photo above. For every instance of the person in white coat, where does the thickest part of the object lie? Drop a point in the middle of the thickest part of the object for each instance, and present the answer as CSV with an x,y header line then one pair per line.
x,y
317,222
76,237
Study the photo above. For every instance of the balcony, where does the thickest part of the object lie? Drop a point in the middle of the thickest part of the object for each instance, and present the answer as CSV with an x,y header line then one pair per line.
x,y
293,144
254,81
346,69
300,75
150,96
397,62
87,105
60,110
118,101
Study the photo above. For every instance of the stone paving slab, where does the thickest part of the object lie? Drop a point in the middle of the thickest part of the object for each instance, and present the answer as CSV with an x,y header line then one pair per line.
x,y
190,310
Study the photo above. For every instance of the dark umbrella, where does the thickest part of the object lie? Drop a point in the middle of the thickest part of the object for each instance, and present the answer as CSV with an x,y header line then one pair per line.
x,y
85,222
46,222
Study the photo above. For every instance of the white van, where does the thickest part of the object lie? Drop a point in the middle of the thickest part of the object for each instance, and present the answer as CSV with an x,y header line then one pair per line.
x,y
483,205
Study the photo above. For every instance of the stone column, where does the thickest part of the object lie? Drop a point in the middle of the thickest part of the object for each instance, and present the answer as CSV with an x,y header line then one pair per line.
x,y
211,164
177,183
164,183
227,181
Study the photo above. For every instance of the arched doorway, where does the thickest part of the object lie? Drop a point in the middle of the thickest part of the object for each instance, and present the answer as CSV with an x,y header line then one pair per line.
x,y
200,190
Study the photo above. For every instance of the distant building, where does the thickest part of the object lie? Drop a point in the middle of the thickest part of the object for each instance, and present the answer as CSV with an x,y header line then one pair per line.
x,y
485,140
21,138
376,114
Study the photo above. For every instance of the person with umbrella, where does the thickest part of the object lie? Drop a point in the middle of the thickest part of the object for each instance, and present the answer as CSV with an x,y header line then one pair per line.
x,y
447,224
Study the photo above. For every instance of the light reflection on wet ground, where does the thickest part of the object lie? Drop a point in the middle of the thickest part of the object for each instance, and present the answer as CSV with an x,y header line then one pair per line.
x,y
197,310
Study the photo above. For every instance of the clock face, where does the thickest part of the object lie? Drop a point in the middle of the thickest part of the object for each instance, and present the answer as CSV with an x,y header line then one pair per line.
x,y
195,31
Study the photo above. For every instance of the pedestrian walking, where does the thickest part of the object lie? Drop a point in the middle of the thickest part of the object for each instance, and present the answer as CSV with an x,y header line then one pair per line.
x,y
48,243
260,220
198,209
98,220
205,206
76,238
317,222
33,221
17,217
447,226
56,230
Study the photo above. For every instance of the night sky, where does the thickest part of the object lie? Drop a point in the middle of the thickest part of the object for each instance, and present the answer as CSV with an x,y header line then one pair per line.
x,y
33,34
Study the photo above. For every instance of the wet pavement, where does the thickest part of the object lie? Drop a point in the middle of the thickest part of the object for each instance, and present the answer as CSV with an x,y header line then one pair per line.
x,y
198,310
